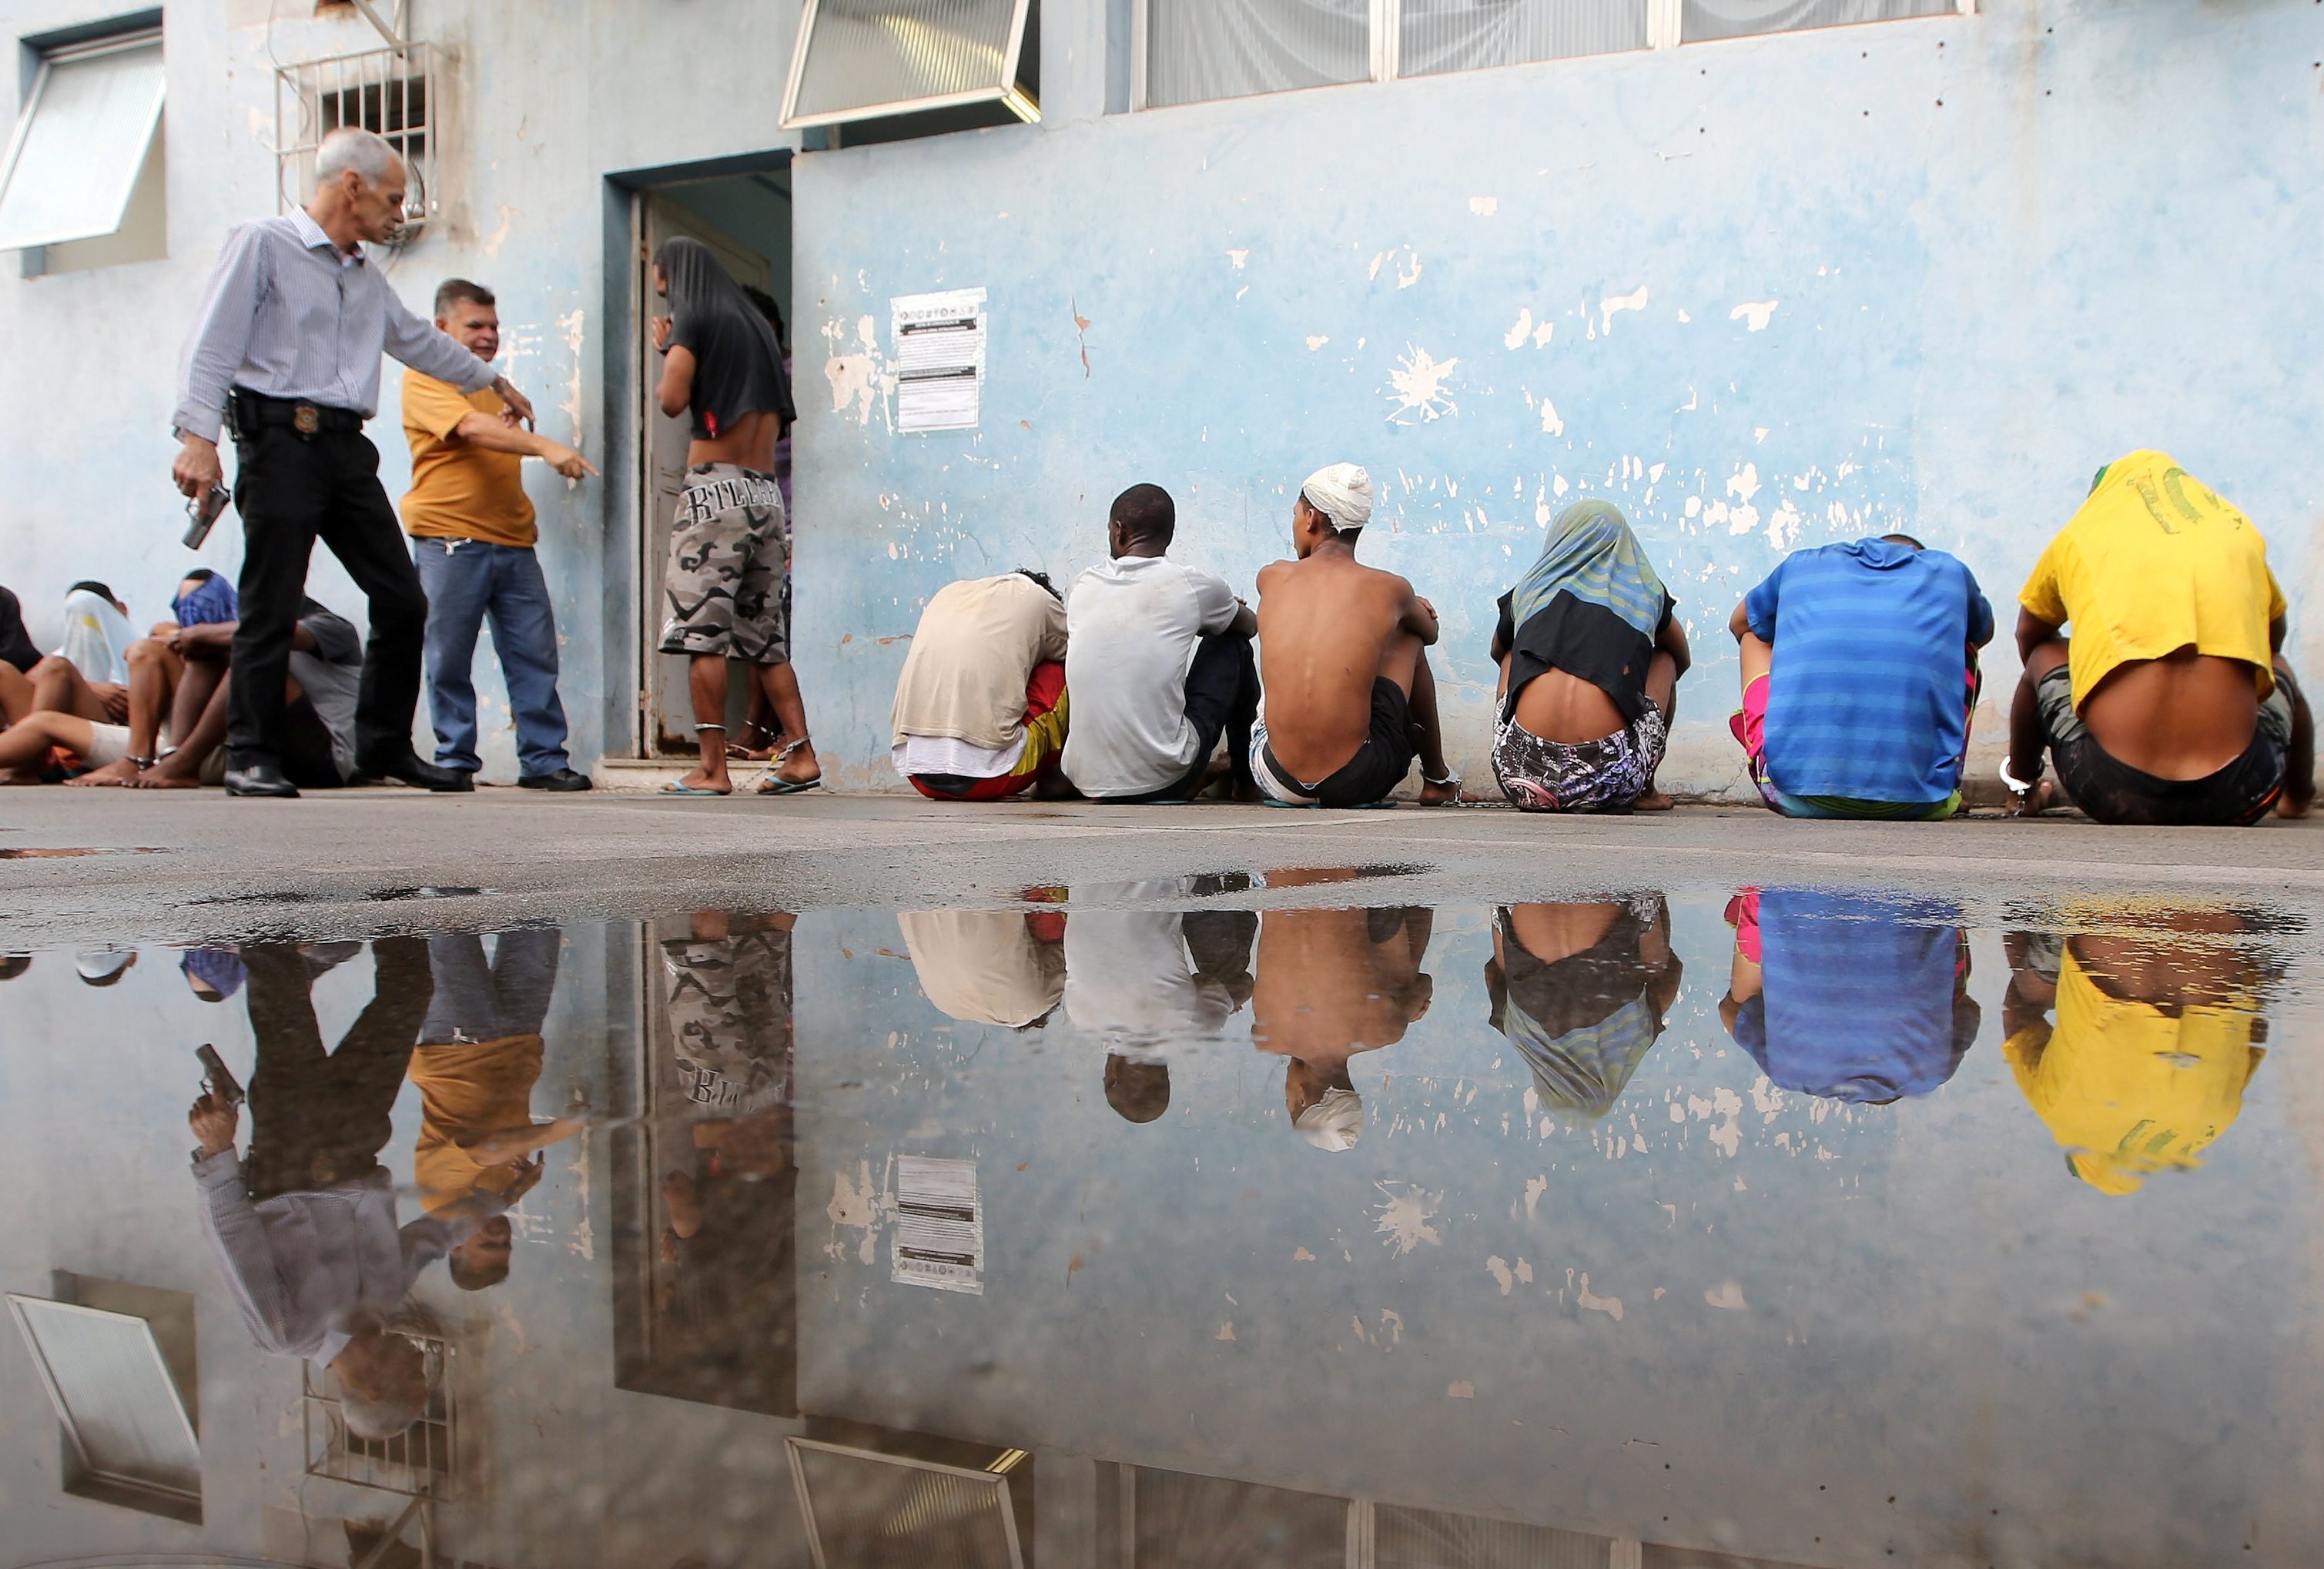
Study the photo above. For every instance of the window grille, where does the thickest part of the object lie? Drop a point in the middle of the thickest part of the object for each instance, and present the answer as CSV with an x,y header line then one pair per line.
x,y
90,128
394,91
1187,51
864,1510
419,1462
861,60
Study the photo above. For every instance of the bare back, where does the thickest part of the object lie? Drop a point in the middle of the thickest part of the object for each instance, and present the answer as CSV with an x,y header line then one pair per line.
x,y
1326,625
1326,990
2184,716
749,443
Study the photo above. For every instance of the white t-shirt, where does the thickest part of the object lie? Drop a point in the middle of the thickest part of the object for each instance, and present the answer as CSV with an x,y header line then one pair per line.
x,y
1128,979
1131,629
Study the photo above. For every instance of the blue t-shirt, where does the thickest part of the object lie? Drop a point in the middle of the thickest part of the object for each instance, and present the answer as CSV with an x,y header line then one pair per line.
x,y
1858,999
1869,698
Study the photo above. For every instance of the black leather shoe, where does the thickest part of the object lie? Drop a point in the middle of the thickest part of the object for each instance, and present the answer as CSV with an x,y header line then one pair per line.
x,y
564,779
407,767
260,779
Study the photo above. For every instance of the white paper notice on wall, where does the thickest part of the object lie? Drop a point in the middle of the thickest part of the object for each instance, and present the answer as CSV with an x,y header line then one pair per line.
x,y
939,1236
939,347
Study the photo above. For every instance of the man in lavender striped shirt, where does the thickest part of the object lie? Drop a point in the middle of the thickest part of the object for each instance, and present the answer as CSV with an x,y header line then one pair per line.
x,y
286,352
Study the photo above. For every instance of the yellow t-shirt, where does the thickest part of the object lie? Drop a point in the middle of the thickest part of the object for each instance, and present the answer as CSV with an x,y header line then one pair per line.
x,y
2155,561
468,1089
2127,1090
459,490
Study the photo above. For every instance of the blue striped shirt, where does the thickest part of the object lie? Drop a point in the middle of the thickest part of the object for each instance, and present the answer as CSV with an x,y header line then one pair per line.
x,y
1869,698
288,313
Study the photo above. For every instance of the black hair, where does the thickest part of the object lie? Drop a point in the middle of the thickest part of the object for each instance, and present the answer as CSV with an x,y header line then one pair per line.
x,y
771,311
1332,529
94,587
470,1275
453,290
199,575
1904,539
1145,512
1139,1091
1043,579
14,965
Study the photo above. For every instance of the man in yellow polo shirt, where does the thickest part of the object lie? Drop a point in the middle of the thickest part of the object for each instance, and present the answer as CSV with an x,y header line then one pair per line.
x,y
471,526
2173,702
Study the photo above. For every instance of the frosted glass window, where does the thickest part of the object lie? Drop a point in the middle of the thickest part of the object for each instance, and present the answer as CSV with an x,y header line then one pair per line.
x,y
1199,49
1706,19
860,58
79,145
114,1393
1459,35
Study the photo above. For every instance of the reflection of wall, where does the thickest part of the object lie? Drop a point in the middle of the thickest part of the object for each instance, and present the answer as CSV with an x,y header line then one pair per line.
x,y
1722,1316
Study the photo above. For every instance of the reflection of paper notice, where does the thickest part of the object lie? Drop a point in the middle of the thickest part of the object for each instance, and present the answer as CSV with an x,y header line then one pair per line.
x,y
939,341
939,1238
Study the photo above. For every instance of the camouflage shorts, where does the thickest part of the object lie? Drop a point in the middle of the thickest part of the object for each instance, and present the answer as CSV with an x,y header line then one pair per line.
x,y
728,560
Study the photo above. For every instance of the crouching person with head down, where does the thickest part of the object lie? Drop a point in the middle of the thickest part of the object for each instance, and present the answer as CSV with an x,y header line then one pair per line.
x,y
1859,676
1591,655
980,712
2172,703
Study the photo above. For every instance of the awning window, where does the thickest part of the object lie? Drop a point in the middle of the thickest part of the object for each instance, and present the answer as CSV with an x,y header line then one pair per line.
x,y
115,1393
81,143
859,60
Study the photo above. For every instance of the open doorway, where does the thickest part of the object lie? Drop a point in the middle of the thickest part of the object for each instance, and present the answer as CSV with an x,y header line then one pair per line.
x,y
746,219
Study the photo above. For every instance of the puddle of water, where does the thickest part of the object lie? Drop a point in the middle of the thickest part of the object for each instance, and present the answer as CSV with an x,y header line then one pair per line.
x,y
1239,1220
64,851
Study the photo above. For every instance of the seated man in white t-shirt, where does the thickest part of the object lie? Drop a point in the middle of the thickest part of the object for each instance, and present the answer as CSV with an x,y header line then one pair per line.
x,y
1159,664
1149,981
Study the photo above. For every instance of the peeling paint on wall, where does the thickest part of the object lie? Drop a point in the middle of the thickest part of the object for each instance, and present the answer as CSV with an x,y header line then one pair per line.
x,y
1754,314
1614,305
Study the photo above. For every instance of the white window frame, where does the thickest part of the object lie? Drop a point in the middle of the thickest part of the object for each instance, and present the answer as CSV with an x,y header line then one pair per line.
x,y
25,1309
1386,22
1007,93
66,54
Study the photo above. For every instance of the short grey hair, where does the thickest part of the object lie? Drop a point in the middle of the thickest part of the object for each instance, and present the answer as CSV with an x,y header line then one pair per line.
x,y
367,153
376,1421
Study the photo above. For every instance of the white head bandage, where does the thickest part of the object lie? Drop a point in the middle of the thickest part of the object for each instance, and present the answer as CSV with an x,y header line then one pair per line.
x,y
1336,1122
1342,492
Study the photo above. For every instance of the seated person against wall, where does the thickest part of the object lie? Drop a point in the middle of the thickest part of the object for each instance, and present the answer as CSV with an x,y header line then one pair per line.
x,y
1332,984
1859,676
2156,1038
1581,991
1348,698
1590,656
183,681
1847,997
980,712
1147,980
32,682
2171,703
163,705
990,966
478,1057
1158,660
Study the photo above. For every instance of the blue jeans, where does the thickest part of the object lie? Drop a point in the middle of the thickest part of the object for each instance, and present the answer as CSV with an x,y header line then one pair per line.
x,y
467,580
475,1001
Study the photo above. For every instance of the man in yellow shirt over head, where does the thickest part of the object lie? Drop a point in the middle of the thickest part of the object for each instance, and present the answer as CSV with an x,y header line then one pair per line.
x,y
2173,702
473,532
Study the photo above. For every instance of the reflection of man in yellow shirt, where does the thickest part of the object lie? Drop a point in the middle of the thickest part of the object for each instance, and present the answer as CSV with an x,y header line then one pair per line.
x,y
473,529
2154,1042
480,1052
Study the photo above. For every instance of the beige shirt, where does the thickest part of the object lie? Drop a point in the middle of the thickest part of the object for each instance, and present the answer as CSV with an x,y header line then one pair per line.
x,y
971,656
984,966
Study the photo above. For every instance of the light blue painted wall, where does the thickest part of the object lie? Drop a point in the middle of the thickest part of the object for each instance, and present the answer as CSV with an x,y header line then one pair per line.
x,y
2000,250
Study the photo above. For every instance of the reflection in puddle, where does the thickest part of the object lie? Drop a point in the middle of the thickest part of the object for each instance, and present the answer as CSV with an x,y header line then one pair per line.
x,y
1679,1230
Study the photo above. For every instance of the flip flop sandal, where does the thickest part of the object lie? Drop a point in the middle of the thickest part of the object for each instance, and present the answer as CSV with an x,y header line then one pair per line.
x,y
1388,805
775,785
675,788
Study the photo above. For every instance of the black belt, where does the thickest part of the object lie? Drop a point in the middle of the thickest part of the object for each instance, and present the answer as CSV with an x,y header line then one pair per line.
x,y
249,411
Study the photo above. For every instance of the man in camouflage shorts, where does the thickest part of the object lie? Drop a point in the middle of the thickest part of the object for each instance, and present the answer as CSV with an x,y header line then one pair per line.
x,y
728,557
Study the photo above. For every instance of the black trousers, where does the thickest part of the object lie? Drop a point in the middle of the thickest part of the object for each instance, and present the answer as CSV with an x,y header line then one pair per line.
x,y
318,1118
291,491
1221,703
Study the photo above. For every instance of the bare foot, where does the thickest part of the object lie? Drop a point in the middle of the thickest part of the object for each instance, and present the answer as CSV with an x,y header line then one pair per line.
x,y
2038,800
1653,800
2290,805
162,777
1444,794
120,772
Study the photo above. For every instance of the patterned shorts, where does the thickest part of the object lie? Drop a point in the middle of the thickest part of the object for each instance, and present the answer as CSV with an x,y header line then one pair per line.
x,y
1541,775
727,563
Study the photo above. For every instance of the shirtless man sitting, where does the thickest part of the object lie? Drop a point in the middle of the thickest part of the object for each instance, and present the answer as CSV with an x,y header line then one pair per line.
x,y
1350,698
2172,703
